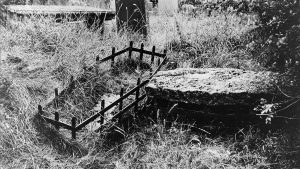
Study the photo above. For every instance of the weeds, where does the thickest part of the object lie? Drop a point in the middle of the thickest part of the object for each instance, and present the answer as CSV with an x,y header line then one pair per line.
x,y
44,55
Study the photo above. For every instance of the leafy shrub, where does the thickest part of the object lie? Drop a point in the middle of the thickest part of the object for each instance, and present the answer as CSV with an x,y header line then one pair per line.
x,y
281,35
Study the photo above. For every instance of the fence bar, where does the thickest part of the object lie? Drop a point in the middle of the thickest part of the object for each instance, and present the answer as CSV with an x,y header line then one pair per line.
x,y
142,52
97,64
137,94
55,101
148,52
53,122
97,60
152,55
165,57
40,109
121,52
74,127
130,49
129,106
121,102
87,121
157,69
102,113
56,92
56,118
113,56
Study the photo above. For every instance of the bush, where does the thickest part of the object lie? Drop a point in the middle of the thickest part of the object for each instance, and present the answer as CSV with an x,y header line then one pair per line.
x,y
280,22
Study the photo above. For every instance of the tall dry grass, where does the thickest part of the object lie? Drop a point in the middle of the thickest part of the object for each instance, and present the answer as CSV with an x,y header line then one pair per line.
x,y
219,41
41,55
49,54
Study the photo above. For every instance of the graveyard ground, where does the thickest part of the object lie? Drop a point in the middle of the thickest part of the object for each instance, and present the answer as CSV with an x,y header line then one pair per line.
x,y
39,56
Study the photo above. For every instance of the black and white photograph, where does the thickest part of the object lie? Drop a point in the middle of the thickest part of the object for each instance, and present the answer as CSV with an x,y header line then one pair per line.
x,y
149,84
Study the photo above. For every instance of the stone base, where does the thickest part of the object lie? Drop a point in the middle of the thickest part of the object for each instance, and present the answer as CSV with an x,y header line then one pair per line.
x,y
213,86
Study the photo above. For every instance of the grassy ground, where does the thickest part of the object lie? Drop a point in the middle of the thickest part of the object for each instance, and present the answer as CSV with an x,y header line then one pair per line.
x,y
40,56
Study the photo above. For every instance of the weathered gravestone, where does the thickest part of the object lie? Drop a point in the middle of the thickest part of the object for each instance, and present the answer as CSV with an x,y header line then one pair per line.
x,y
92,16
168,7
104,4
214,87
131,14
45,2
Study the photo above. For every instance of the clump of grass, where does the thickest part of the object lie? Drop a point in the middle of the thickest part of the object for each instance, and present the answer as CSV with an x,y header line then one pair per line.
x,y
130,66
178,147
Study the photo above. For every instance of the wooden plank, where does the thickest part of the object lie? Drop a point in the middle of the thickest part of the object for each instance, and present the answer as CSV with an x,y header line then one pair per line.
x,y
87,121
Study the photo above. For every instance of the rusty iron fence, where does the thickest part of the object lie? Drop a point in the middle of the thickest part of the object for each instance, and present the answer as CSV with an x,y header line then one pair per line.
x,y
74,126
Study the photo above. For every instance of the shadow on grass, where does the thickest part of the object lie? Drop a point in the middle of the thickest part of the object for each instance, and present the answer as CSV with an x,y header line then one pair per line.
x,y
50,136
246,136
129,66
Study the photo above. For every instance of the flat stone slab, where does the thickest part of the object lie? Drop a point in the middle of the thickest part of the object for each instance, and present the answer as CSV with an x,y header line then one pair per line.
x,y
50,9
93,16
213,86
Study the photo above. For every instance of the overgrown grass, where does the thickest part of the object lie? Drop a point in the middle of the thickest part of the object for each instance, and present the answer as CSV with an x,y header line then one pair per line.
x,y
42,55
220,41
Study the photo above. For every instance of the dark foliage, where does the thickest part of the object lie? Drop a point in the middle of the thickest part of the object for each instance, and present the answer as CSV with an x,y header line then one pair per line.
x,y
280,23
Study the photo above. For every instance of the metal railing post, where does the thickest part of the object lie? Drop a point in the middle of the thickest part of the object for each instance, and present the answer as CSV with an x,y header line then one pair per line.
x,y
137,95
113,57
130,49
73,128
142,52
121,102
56,118
152,55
